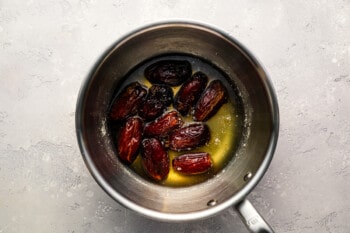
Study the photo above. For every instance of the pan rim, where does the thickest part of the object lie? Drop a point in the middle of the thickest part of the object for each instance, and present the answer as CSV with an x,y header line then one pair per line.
x,y
175,217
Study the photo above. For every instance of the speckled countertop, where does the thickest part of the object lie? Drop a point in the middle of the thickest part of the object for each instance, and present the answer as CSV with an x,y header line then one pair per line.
x,y
48,47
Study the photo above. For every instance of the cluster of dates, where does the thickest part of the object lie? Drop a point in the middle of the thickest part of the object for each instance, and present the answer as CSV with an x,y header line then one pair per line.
x,y
150,127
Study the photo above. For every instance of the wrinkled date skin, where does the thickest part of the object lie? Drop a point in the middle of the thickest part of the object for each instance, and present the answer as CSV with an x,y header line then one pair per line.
x,y
129,139
163,125
128,101
155,159
158,99
162,93
213,97
190,92
170,72
189,137
151,109
192,163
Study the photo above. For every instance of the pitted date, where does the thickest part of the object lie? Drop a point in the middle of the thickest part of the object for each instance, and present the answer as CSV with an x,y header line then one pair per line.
x,y
213,97
163,125
158,99
155,159
189,137
151,109
128,101
192,163
129,139
171,72
162,93
190,92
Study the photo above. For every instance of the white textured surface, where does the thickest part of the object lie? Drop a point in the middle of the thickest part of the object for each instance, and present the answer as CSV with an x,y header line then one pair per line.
x,y
47,49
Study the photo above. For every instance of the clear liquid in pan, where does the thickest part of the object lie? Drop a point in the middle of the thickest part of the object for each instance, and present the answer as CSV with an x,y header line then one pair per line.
x,y
226,126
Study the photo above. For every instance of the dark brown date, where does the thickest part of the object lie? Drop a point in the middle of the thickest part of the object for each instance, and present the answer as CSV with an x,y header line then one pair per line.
x,y
151,109
129,139
155,160
192,163
164,124
162,93
128,101
190,92
213,97
171,72
157,100
189,137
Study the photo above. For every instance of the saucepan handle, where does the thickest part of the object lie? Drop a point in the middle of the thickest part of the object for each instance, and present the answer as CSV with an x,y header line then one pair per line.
x,y
251,218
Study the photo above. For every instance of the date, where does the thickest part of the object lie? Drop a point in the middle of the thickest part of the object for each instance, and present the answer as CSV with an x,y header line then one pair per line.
x,y
158,99
189,137
190,92
213,97
192,163
129,139
151,109
170,72
162,93
155,159
128,101
164,124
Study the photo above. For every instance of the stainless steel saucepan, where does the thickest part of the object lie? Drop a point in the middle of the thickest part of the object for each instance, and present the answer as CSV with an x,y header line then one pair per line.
x,y
227,189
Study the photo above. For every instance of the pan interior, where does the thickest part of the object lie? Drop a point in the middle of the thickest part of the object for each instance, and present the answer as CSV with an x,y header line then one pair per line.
x,y
226,126
175,39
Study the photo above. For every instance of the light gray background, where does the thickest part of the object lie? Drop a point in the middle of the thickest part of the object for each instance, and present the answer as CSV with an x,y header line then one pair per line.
x,y
47,48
